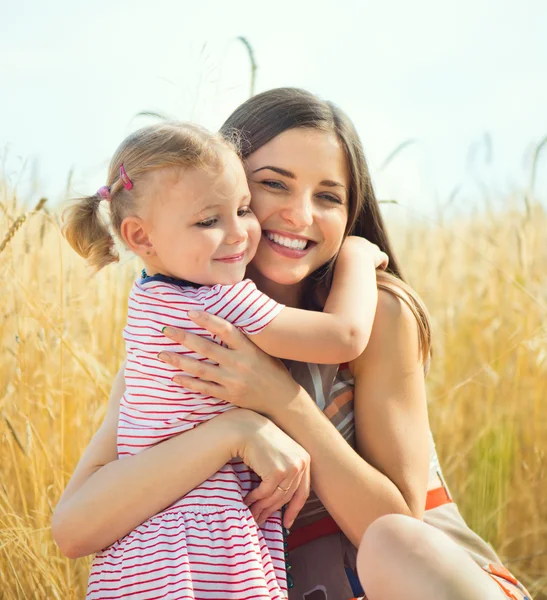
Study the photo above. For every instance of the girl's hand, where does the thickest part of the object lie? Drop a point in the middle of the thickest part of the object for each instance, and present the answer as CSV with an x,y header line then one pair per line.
x,y
354,247
244,375
280,462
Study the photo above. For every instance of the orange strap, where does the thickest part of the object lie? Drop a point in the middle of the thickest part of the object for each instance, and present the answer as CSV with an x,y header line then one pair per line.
x,y
437,497
327,525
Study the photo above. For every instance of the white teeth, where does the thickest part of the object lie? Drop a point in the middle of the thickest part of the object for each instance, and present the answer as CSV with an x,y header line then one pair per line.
x,y
287,242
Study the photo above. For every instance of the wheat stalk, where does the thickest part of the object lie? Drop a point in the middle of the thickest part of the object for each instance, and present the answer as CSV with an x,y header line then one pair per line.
x,y
19,222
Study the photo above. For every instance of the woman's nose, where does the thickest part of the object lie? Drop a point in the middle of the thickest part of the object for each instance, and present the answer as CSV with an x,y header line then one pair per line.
x,y
299,211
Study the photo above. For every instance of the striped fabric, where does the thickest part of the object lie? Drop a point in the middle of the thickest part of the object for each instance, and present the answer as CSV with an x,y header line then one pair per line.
x,y
206,545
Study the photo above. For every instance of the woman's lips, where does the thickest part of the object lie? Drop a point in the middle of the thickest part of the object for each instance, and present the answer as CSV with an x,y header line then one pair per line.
x,y
283,250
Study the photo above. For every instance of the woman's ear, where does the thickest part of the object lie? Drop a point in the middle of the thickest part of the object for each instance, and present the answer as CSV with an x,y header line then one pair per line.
x,y
135,235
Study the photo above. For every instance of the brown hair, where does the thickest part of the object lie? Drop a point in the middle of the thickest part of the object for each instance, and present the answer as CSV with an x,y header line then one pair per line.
x,y
169,144
263,117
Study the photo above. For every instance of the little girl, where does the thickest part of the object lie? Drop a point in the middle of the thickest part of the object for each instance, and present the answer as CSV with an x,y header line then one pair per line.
x,y
179,199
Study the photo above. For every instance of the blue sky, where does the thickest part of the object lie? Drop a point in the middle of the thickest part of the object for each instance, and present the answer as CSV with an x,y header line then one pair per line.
x,y
466,80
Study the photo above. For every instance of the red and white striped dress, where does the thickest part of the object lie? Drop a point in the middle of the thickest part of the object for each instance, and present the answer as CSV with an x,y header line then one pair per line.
x,y
206,545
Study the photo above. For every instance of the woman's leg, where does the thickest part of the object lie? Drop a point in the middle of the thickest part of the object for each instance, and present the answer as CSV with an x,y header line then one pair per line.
x,y
401,557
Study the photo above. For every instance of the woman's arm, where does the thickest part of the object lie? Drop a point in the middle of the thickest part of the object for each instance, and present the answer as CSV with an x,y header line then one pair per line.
x,y
391,420
392,431
353,490
106,498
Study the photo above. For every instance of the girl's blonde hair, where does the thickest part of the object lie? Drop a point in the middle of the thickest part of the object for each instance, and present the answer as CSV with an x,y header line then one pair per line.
x,y
167,144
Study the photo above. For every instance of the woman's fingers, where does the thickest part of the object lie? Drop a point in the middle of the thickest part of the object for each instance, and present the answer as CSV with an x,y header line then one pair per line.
x,y
263,508
266,494
192,366
228,333
296,503
197,343
231,337
207,388
265,502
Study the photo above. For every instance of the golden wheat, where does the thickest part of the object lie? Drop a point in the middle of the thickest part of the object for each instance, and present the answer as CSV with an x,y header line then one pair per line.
x,y
484,282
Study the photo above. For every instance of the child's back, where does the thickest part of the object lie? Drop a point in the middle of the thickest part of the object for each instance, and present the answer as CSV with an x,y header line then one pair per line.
x,y
224,550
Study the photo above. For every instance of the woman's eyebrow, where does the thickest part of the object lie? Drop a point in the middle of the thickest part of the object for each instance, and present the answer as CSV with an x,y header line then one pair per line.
x,y
283,172
291,175
331,183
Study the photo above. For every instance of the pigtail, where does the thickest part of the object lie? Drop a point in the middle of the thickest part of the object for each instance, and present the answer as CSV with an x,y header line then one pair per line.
x,y
86,231
160,146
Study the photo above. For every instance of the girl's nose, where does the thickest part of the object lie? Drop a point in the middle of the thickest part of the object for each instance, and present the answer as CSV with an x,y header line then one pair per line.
x,y
236,232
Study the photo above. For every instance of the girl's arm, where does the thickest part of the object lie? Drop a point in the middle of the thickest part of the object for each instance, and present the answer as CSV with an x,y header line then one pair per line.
x,y
106,498
341,332
390,413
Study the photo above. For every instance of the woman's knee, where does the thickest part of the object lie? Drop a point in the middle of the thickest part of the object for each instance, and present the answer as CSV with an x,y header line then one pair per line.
x,y
391,548
398,551
401,544
401,540
390,535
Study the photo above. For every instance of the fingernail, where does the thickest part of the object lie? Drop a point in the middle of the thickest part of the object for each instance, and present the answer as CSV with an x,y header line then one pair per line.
x,y
194,314
161,356
166,330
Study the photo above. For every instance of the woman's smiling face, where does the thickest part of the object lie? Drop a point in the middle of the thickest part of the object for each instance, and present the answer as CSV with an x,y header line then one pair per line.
x,y
299,184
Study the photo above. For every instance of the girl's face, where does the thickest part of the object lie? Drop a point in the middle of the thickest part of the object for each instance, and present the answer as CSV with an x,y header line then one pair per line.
x,y
200,225
299,183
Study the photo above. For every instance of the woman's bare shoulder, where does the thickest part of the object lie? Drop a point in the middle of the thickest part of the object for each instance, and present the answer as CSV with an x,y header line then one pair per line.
x,y
394,340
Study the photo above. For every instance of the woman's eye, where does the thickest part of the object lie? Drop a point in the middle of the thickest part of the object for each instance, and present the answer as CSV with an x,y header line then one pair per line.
x,y
243,212
331,198
275,185
207,222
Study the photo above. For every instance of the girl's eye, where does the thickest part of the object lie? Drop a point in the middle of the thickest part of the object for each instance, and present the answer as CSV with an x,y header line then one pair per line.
x,y
207,223
274,185
244,211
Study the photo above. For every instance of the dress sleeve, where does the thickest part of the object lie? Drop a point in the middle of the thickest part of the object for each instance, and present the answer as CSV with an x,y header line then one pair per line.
x,y
243,305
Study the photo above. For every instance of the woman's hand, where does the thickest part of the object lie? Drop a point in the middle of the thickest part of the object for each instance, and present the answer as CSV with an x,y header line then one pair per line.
x,y
244,375
280,462
249,378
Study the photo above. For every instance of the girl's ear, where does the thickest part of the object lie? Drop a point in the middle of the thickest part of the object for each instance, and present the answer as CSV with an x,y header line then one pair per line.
x,y
135,235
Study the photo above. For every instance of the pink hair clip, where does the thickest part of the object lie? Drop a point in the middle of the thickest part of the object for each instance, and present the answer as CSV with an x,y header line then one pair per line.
x,y
127,184
104,193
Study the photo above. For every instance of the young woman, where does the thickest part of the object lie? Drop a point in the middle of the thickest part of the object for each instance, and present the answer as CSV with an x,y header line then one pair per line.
x,y
373,464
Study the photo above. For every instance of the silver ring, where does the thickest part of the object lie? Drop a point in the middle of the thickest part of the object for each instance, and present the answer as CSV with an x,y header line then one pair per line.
x,y
283,489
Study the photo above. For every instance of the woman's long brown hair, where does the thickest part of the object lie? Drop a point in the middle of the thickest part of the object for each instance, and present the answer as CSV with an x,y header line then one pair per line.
x,y
266,115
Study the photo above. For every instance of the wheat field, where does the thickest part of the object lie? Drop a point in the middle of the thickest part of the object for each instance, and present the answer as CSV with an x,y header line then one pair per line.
x,y
484,279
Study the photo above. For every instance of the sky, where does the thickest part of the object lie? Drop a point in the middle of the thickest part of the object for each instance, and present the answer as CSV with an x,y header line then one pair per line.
x,y
465,84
